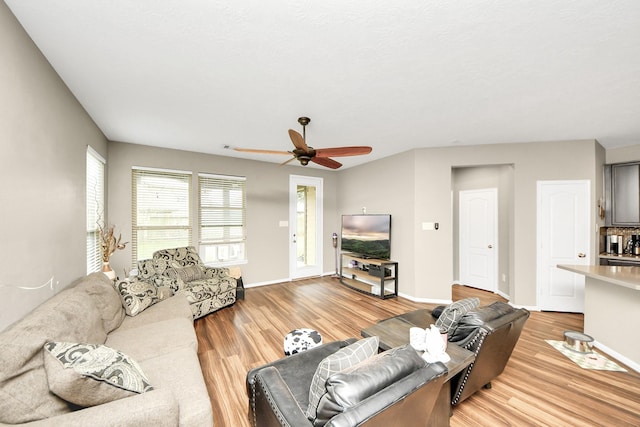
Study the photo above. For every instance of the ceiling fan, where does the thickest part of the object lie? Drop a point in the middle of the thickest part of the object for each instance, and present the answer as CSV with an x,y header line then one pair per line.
x,y
305,154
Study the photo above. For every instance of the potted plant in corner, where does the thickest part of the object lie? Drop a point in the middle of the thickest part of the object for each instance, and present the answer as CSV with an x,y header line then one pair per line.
x,y
109,245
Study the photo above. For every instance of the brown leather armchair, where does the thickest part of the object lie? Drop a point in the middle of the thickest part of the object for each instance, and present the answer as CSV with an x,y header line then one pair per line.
x,y
491,332
278,392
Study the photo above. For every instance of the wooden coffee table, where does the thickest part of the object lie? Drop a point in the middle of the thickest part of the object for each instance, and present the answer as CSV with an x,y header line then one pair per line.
x,y
394,332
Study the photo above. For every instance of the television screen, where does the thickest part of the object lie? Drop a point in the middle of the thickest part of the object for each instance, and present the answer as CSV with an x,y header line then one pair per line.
x,y
367,235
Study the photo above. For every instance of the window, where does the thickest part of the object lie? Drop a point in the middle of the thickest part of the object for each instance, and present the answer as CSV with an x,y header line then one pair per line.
x,y
95,208
160,209
222,219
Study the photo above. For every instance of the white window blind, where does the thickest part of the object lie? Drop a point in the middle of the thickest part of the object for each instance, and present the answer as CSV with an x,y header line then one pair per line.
x,y
221,215
160,208
95,208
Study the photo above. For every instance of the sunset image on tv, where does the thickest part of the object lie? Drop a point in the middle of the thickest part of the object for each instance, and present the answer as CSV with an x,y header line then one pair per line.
x,y
367,235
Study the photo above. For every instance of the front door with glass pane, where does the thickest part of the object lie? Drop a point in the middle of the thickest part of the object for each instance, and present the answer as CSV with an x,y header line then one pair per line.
x,y
305,226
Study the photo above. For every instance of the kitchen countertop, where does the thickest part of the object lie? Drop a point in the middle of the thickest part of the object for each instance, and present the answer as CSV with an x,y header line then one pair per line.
x,y
628,277
626,257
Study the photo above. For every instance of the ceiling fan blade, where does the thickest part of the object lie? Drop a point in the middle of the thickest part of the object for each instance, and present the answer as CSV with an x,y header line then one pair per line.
x,y
298,141
290,160
326,162
342,151
252,150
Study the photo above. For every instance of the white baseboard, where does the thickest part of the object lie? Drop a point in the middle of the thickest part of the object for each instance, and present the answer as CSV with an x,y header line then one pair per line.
x,y
503,295
275,282
630,363
270,282
425,300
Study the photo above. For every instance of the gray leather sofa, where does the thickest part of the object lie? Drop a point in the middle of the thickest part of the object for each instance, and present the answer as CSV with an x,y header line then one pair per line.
x,y
279,391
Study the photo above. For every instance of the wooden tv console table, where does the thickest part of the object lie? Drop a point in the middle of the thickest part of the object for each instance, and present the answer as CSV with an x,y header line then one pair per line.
x,y
371,276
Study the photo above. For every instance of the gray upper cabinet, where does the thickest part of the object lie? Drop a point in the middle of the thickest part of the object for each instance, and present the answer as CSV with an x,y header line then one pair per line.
x,y
624,182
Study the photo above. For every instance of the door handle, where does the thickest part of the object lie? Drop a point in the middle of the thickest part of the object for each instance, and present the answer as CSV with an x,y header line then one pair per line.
x,y
490,246
581,255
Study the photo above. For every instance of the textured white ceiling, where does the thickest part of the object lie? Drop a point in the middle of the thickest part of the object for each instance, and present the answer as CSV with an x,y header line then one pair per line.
x,y
198,75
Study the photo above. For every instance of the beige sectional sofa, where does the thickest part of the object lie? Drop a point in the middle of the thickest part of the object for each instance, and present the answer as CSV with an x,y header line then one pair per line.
x,y
160,340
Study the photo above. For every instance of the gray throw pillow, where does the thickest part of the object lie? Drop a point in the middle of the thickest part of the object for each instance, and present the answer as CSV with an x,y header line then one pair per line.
x,y
91,374
342,359
451,315
136,295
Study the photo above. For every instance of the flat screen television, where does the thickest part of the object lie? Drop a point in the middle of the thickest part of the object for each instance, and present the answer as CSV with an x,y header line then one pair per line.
x,y
367,235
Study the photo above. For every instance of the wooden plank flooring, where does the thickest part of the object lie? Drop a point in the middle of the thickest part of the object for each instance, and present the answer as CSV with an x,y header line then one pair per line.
x,y
539,387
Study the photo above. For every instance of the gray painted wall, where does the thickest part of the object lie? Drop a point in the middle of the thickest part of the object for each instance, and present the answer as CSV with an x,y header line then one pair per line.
x,y
44,133
428,172
267,203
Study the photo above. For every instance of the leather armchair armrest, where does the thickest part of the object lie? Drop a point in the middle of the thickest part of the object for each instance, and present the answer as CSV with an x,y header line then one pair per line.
x,y
410,399
301,363
272,403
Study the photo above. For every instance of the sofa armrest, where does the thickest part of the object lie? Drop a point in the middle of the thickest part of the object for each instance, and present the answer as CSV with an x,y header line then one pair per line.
x,y
213,272
272,404
157,407
175,284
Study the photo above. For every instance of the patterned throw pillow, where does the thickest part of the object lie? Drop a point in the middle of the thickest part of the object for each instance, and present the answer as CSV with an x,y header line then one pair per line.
x,y
342,359
186,274
451,315
92,374
136,295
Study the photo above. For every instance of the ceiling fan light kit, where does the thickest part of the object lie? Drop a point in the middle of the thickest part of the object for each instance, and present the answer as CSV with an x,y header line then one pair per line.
x,y
305,154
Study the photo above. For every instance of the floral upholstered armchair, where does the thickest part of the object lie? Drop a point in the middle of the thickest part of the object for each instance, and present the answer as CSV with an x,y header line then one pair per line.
x,y
207,288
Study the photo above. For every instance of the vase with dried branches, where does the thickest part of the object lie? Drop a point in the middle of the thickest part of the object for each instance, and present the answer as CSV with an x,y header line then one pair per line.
x,y
109,244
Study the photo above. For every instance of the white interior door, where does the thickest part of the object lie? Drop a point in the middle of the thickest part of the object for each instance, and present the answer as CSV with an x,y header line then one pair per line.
x,y
305,226
478,245
563,238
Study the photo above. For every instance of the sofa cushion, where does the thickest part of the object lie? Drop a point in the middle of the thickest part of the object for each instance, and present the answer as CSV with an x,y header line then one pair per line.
x,y
155,338
175,307
175,258
180,371
338,361
203,289
137,295
24,392
92,374
450,316
186,274
351,386
105,297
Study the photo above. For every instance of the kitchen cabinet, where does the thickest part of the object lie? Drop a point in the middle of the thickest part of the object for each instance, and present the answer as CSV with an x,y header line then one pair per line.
x,y
622,183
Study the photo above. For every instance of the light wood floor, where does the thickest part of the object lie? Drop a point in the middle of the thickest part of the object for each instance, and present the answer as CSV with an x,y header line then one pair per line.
x,y
539,387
